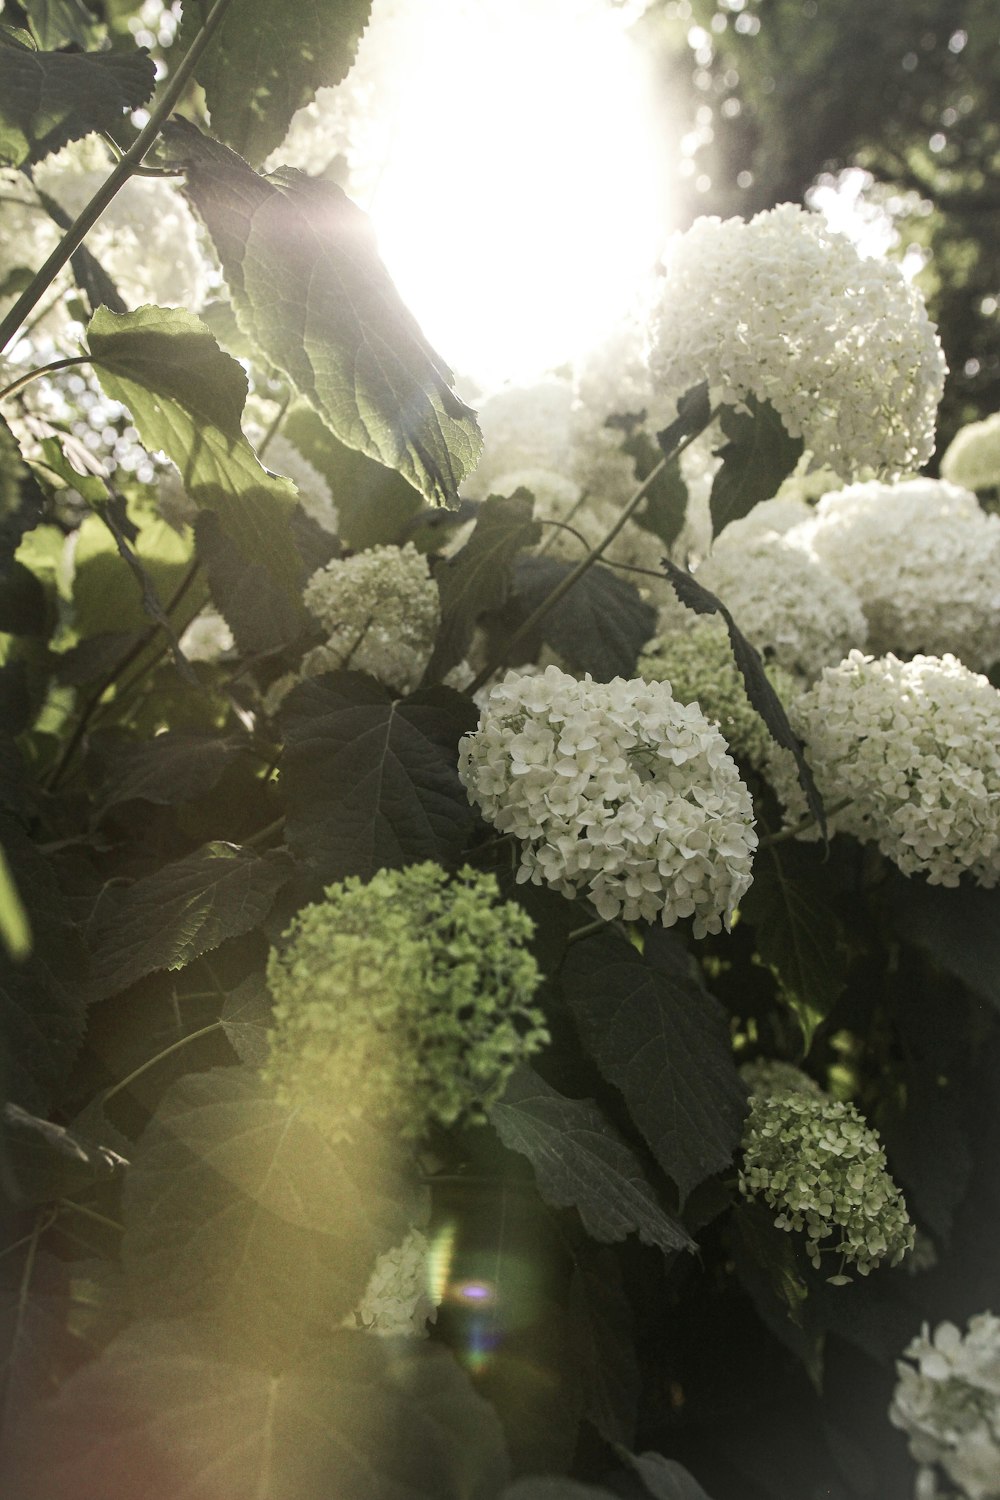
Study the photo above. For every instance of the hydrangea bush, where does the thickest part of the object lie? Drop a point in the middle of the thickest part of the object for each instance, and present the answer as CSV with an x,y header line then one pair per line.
x,y
498,906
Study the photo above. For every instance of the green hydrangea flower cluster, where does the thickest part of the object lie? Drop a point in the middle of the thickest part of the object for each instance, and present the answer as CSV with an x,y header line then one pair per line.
x,y
697,660
820,1165
405,1000
769,1075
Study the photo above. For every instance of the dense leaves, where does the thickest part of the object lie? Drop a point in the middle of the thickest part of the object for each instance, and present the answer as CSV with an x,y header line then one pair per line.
x,y
756,457
656,1033
370,782
311,293
581,1162
50,98
599,626
267,61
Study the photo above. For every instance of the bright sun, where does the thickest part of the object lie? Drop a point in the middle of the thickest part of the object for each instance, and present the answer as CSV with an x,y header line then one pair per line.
x,y
519,202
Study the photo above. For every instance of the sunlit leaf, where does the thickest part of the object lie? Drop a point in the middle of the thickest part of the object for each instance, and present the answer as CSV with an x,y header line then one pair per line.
x,y
50,98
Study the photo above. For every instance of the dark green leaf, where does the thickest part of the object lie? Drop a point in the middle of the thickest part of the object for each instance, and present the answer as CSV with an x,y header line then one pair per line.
x,y
168,919
693,412
478,578
757,458
260,611
34,1299
15,928
23,606
664,510
798,934
599,626
657,1034
770,1264
186,396
758,686
267,61
581,1162
246,1020
163,1416
664,1478
56,22
928,1149
172,768
50,98
371,782
959,928
603,1335
554,1487
48,1161
310,290
20,503
238,1209
42,998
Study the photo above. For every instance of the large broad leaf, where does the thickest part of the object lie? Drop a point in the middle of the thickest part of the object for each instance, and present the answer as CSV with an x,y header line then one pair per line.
x,y
959,928
478,578
599,626
186,396
928,1146
798,933
237,1209
603,1334
47,1161
50,98
171,768
266,61
758,687
371,782
163,1416
246,1020
581,1162
310,291
34,1300
56,22
759,454
43,997
167,919
665,1478
659,1036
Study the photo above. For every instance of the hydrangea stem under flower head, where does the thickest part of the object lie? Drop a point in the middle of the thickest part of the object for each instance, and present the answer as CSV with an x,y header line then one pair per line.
x,y
786,310
617,792
406,1000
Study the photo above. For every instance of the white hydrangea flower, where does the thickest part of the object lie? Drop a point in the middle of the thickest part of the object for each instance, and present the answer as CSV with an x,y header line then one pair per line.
x,y
207,638
914,749
778,515
523,427
973,455
282,457
817,1162
381,611
923,558
397,1300
947,1401
785,309
794,609
615,791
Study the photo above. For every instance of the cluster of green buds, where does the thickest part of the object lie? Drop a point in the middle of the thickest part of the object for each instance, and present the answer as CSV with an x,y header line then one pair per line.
x,y
406,1000
821,1167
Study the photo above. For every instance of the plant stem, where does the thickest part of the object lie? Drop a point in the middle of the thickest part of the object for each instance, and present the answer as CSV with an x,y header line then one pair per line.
x,y
265,833
30,375
563,588
120,174
785,834
151,1062
91,1213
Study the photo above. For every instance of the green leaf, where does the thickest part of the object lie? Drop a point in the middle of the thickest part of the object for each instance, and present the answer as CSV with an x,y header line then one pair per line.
x,y
959,928
694,409
798,935
928,1146
665,508
581,1162
43,997
267,61
554,1487
174,767
56,22
246,1020
166,1416
375,504
478,578
186,396
50,98
259,610
15,928
757,458
236,1208
371,782
310,290
770,1265
48,1161
187,908
599,626
664,1478
603,1335
107,596
34,1299
758,686
657,1034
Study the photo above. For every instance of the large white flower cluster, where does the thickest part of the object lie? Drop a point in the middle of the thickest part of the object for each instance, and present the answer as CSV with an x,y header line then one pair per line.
x,y
947,1401
923,558
784,309
617,792
523,427
794,609
381,611
914,750
973,455
817,1162
282,457
397,1300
